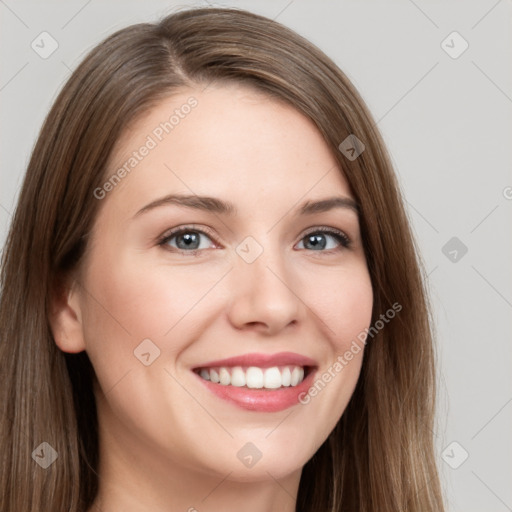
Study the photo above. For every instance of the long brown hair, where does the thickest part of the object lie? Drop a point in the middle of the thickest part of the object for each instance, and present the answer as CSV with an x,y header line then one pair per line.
x,y
380,456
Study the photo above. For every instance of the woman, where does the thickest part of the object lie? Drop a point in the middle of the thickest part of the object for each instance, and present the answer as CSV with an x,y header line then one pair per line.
x,y
211,296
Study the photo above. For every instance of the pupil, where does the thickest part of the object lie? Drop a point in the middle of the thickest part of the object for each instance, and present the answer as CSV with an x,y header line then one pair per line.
x,y
317,241
190,241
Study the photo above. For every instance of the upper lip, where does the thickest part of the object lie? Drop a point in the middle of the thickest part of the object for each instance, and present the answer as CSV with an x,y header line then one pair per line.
x,y
262,360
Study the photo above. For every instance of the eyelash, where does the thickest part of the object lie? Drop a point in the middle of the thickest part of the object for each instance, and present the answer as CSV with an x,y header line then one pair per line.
x,y
341,237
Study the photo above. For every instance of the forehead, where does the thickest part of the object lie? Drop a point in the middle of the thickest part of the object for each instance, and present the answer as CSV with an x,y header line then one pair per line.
x,y
229,141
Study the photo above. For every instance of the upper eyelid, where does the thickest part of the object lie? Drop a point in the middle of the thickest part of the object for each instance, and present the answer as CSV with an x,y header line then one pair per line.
x,y
324,229
187,227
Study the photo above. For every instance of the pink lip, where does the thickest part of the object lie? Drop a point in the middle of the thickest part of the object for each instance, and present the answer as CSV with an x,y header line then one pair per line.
x,y
262,400
262,360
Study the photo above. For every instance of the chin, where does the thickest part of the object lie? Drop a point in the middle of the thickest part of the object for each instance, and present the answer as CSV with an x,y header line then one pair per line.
x,y
263,472
249,464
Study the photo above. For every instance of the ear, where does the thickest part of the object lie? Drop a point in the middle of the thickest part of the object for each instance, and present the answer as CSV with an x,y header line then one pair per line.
x,y
65,316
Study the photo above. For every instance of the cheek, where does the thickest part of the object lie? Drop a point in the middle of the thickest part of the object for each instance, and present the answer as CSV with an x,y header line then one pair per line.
x,y
343,301
148,299
132,298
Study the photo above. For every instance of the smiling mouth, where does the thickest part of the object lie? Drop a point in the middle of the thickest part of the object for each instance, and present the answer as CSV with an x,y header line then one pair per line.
x,y
254,377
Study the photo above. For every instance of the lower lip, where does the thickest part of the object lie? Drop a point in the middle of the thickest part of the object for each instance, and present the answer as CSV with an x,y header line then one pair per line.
x,y
261,400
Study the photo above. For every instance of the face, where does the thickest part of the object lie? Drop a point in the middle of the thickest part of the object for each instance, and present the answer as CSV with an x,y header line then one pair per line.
x,y
221,284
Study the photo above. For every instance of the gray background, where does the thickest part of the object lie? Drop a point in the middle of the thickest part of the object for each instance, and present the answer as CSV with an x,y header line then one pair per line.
x,y
447,122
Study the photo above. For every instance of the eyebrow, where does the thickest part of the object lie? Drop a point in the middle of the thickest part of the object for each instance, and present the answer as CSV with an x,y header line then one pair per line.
x,y
215,205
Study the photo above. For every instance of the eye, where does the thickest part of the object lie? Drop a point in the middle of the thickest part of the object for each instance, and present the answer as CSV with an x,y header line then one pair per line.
x,y
187,239
324,239
192,240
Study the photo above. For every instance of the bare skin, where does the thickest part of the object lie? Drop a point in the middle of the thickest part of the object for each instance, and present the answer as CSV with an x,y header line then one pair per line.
x,y
167,443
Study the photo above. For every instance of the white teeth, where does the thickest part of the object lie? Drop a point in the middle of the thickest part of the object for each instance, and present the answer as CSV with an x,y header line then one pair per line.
x,y
214,376
297,375
237,377
286,377
225,378
254,377
272,378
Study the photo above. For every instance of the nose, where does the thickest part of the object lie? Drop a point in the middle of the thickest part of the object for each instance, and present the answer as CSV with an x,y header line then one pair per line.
x,y
263,298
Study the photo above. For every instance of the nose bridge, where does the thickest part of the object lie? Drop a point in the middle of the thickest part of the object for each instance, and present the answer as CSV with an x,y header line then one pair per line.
x,y
263,286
